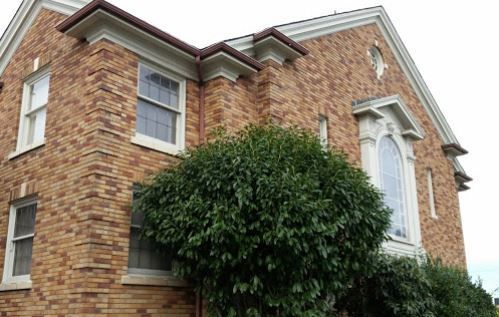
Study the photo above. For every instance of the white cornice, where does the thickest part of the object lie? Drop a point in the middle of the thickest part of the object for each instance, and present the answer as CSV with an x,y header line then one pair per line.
x,y
24,18
309,29
222,64
398,107
272,48
102,25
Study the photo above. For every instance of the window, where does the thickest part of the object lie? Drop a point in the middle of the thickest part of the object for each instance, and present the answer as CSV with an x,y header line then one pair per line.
x,y
392,184
34,111
143,257
323,131
160,110
20,242
431,196
387,132
377,61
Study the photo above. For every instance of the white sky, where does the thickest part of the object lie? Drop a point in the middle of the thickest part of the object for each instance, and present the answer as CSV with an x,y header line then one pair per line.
x,y
453,43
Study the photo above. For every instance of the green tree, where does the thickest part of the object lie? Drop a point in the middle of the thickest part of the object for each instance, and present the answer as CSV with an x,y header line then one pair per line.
x,y
265,222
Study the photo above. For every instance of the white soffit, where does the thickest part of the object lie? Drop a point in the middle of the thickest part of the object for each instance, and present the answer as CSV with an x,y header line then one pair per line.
x,y
24,18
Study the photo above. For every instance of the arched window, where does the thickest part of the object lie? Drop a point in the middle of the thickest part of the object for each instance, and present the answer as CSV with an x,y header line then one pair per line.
x,y
392,184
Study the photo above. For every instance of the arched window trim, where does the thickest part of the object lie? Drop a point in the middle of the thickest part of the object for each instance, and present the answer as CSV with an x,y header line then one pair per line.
x,y
385,118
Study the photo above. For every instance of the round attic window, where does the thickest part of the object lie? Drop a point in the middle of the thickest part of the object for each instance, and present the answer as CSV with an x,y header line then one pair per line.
x,y
377,61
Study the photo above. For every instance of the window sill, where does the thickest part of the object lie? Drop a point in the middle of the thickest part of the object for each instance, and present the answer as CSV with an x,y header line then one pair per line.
x,y
402,247
154,144
26,149
15,286
149,280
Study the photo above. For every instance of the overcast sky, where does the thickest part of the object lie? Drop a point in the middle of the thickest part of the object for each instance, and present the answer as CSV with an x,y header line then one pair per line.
x,y
454,45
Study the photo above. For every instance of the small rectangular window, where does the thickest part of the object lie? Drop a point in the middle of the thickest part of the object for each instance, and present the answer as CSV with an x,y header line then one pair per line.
x,y
34,111
431,194
323,131
19,245
144,258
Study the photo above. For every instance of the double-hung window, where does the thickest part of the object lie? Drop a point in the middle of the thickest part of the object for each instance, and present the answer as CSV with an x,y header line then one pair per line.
x,y
144,258
160,110
19,245
34,111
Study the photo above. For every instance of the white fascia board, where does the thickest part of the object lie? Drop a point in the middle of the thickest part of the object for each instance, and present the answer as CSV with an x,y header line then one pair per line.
x,y
24,18
102,25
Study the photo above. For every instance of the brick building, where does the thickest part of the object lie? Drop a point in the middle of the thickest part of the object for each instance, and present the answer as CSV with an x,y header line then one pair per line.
x,y
93,99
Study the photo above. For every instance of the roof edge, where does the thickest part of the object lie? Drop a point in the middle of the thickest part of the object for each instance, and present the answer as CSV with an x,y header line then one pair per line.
x,y
282,38
224,47
129,18
24,18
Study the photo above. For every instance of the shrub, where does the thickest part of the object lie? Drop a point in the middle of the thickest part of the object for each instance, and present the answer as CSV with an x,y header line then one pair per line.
x,y
402,287
456,295
266,223
399,287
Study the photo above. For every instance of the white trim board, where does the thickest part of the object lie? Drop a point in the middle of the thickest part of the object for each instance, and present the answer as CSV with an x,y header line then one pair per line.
x,y
309,29
24,18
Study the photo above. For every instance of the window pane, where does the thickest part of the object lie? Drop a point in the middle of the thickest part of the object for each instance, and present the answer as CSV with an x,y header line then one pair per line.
x,y
36,126
137,218
144,256
158,87
391,182
156,122
39,128
25,221
22,257
39,93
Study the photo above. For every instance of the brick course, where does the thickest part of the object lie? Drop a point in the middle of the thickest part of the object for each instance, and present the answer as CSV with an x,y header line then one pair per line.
x,y
83,175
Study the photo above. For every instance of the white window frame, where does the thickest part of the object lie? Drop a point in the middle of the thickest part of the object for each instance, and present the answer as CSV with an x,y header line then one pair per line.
x,y
323,131
431,194
390,117
8,269
26,99
153,143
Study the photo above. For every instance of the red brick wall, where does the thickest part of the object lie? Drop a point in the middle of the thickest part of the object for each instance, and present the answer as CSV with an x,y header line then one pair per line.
x,y
336,72
83,175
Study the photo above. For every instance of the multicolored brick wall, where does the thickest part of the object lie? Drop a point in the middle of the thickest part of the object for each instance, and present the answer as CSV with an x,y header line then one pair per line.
x,y
83,175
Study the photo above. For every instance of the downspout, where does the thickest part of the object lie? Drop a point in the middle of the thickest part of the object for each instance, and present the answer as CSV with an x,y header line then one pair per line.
x,y
199,304
201,101
199,295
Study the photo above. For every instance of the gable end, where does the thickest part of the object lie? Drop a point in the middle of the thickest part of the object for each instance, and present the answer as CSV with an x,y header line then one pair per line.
x,y
24,18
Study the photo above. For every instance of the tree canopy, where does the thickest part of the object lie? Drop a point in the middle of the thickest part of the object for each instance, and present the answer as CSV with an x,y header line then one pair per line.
x,y
266,222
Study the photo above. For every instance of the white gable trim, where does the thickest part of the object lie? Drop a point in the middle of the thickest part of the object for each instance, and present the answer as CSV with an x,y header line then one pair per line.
x,y
409,123
24,18
309,29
